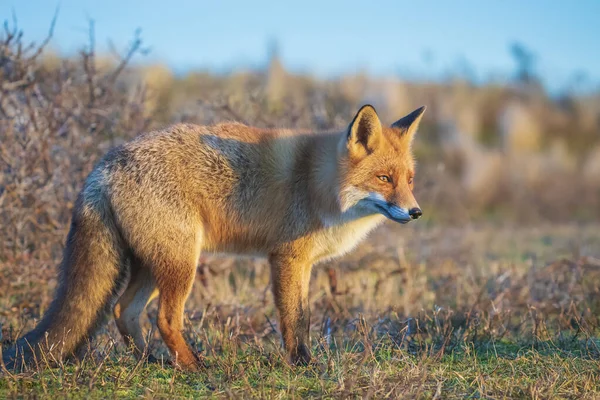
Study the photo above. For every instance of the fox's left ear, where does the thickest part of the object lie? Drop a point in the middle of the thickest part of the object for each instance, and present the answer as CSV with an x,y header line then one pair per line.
x,y
364,132
408,125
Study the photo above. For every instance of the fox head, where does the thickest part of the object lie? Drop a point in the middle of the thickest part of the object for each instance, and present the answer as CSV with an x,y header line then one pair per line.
x,y
377,166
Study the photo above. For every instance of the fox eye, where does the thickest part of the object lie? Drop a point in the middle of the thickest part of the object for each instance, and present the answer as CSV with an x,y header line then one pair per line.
x,y
384,178
410,180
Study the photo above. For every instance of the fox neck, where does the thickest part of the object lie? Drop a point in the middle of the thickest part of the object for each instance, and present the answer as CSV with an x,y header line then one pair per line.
x,y
324,181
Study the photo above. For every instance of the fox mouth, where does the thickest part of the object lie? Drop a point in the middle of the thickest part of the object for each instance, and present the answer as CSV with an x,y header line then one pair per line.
x,y
387,214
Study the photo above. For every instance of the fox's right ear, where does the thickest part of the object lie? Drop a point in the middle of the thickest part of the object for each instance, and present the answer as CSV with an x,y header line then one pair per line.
x,y
408,125
364,133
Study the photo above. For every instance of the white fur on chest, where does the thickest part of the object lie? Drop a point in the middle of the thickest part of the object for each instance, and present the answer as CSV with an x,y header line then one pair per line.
x,y
340,235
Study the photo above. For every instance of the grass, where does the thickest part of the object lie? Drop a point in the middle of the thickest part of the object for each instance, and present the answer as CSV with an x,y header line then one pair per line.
x,y
505,370
418,312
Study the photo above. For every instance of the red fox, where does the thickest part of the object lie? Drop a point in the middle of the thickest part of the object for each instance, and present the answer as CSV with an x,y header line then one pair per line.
x,y
151,206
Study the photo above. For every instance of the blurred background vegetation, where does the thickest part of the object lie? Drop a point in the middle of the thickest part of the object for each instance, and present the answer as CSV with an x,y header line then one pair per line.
x,y
505,149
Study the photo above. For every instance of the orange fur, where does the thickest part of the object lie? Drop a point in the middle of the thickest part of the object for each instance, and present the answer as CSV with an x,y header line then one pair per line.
x,y
152,205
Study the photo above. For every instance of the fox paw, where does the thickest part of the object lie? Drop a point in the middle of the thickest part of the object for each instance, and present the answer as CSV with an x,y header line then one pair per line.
x,y
301,357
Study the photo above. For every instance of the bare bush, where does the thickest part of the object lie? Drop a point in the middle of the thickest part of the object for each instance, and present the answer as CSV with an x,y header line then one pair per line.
x,y
56,119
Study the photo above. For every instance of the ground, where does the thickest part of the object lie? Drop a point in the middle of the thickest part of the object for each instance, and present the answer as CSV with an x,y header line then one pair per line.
x,y
417,311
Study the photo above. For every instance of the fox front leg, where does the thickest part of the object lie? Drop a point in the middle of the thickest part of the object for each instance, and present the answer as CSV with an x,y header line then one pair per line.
x,y
290,280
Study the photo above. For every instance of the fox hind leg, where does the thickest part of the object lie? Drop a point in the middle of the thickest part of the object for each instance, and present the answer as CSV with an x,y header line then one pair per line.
x,y
175,284
169,250
140,291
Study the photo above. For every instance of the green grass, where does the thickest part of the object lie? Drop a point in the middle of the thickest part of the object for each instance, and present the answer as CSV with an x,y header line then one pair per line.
x,y
502,370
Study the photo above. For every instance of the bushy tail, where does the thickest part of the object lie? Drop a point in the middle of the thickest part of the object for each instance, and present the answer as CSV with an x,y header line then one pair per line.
x,y
90,276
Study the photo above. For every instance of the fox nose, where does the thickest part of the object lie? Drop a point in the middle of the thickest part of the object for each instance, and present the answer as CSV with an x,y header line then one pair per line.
x,y
415,213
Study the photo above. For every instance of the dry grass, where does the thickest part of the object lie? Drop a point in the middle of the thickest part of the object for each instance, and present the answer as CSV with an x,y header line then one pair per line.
x,y
416,312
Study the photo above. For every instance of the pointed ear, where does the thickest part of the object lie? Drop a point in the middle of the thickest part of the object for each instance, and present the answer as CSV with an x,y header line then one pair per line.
x,y
408,125
364,133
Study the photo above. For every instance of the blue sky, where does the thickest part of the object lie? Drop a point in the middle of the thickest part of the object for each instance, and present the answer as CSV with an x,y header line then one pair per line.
x,y
424,39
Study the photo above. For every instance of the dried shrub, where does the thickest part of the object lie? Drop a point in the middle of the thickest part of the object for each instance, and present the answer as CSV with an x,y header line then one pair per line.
x,y
56,119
